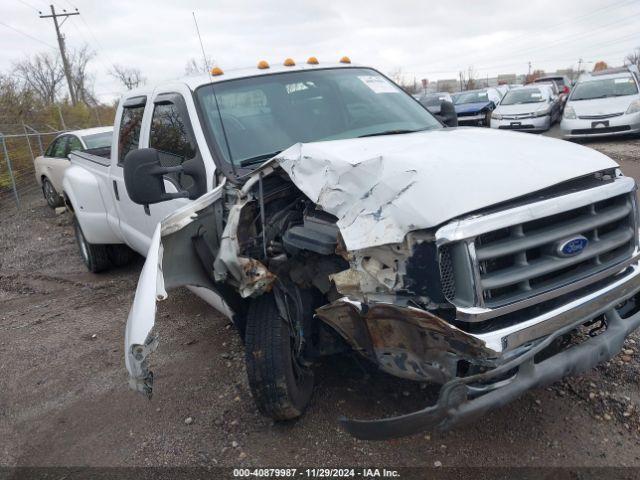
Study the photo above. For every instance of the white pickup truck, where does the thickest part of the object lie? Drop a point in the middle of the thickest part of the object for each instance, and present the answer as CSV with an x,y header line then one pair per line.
x,y
322,209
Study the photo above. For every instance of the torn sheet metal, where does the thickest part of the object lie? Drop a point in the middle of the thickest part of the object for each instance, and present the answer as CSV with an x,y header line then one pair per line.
x,y
381,188
171,262
405,341
250,275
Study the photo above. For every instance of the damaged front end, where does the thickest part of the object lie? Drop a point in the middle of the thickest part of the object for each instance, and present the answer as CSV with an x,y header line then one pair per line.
x,y
473,305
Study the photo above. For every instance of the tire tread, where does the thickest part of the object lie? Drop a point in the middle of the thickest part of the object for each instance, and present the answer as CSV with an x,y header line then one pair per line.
x,y
265,359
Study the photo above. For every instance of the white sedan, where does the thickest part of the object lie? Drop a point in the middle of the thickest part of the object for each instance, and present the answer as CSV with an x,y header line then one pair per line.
x,y
530,108
50,167
604,103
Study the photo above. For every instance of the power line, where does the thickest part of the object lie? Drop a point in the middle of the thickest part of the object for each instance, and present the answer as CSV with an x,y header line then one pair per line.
x,y
487,67
572,38
29,5
532,34
27,35
589,48
75,25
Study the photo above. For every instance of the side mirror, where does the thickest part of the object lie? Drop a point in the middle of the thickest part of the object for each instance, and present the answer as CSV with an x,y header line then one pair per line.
x,y
143,177
448,114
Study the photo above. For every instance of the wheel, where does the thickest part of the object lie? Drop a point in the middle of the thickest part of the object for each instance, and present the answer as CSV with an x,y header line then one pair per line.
x,y
120,255
280,382
50,194
95,257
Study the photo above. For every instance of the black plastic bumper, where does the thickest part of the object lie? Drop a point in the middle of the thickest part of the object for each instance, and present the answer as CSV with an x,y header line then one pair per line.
x,y
455,407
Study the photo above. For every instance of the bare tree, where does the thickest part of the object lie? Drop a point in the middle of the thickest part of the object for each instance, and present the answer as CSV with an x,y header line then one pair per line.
x,y
409,86
468,79
43,74
82,80
197,67
129,77
633,58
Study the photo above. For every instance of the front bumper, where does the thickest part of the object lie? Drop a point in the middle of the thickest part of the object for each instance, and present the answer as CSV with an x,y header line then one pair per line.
x,y
531,124
460,398
587,128
478,120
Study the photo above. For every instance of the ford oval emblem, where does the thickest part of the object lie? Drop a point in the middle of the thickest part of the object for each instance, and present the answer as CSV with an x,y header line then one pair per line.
x,y
572,246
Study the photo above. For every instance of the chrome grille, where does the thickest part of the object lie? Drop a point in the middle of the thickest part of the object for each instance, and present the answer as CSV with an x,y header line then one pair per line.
x,y
600,116
507,258
521,261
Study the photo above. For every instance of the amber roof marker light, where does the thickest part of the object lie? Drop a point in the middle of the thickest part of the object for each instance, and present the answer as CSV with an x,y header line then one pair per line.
x,y
345,59
262,64
313,61
288,62
215,71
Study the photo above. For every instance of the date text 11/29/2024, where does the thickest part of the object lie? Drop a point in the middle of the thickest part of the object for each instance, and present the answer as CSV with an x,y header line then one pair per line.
x,y
315,473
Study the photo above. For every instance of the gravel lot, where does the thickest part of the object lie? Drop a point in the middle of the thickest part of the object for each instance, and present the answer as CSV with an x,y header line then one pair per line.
x,y
64,399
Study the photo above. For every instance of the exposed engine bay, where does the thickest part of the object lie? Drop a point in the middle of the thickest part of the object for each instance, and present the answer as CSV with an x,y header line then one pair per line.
x,y
284,241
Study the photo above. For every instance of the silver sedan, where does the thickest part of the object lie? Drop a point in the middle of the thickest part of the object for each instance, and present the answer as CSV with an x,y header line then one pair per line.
x,y
603,103
530,108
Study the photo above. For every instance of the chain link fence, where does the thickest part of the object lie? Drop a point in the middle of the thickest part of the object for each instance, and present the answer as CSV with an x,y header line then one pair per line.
x,y
18,150
27,133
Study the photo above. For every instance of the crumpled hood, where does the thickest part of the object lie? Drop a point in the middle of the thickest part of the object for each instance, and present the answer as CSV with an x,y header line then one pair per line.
x,y
381,188
603,106
471,107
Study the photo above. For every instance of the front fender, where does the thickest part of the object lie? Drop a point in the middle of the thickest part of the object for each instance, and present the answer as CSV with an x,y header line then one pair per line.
x,y
138,341
172,261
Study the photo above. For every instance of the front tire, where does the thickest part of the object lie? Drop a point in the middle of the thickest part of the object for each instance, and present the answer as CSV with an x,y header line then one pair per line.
x,y
51,195
94,256
280,383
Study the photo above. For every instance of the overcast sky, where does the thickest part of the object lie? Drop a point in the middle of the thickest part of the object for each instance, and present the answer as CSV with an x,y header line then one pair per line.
x,y
424,38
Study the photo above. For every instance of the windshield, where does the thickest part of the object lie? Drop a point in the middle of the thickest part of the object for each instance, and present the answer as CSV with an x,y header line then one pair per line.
x,y
263,115
97,140
523,95
603,88
472,97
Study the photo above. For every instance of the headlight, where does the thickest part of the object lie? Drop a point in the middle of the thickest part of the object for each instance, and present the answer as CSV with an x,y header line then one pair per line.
x,y
496,116
542,113
634,107
569,112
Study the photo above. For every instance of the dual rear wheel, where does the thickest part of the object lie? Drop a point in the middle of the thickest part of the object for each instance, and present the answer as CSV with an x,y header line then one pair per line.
x,y
101,257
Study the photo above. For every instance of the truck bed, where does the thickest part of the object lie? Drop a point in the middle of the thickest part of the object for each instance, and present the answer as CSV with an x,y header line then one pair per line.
x,y
104,152
88,188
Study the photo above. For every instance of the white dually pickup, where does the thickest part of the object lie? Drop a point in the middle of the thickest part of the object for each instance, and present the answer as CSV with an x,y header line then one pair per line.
x,y
323,209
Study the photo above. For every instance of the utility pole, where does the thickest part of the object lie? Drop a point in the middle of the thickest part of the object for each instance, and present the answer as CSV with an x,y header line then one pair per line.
x,y
579,66
63,53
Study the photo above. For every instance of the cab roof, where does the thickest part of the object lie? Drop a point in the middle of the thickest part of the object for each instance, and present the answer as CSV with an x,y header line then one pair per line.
x,y
196,81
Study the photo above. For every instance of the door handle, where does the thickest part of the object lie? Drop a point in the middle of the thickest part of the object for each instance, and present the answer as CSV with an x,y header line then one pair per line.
x,y
115,190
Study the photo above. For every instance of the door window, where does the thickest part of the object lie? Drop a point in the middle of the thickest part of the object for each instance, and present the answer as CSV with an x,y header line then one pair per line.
x,y
129,133
171,137
73,144
60,148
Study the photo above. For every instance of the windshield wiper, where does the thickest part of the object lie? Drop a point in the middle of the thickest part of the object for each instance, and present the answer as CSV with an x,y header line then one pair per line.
x,y
391,132
258,158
